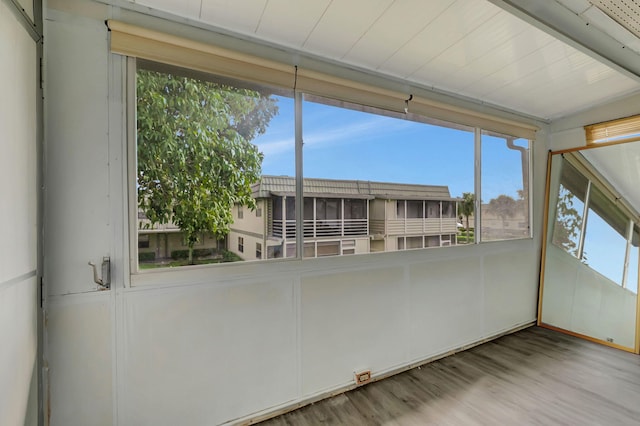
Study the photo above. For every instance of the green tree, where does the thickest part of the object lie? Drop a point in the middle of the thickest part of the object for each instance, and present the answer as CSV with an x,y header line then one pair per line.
x,y
466,208
195,156
503,206
568,223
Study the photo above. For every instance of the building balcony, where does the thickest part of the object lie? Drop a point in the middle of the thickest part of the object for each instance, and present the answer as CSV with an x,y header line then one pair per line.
x,y
322,228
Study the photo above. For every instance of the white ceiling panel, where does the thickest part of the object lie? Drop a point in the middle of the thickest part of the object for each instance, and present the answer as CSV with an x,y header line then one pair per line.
x,y
471,48
185,8
242,16
290,22
400,23
447,29
492,34
343,24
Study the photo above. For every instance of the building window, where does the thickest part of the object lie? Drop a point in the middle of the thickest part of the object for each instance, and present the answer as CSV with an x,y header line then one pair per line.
x,y
241,244
328,248
348,246
143,241
258,251
259,212
433,209
400,209
433,240
240,212
415,209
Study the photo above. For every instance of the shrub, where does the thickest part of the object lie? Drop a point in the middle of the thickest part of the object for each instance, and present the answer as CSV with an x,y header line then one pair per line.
x,y
228,256
180,254
149,256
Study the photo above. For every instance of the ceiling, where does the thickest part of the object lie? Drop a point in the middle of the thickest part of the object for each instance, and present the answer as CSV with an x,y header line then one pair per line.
x,y
516,56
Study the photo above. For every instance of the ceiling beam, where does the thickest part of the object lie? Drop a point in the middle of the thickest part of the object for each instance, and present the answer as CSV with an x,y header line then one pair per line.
x,y
565,25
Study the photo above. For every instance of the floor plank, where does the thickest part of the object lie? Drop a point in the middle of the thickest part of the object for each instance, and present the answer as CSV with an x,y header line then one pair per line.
x,y
533,377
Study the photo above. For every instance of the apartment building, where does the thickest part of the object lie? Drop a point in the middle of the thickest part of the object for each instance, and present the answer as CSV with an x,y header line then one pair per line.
x,y
342,217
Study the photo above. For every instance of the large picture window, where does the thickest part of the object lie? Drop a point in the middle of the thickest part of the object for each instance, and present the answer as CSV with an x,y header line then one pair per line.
x,y
216,173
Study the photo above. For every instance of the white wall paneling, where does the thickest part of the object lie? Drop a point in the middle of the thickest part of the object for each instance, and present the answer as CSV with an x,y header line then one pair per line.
x,y
77,199
79,352
18,227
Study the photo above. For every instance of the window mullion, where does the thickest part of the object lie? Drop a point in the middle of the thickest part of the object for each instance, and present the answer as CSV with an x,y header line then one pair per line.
x,y
585,213
299,178
477,185
627,255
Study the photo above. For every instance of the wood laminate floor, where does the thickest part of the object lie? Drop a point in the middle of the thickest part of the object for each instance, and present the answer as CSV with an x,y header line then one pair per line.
x,y
533,377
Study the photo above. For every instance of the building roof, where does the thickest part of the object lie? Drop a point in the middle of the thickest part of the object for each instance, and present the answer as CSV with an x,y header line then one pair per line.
x,y
337,188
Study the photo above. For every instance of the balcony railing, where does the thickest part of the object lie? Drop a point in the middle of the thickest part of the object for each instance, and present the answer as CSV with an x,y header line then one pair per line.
x,y
421,226
321,228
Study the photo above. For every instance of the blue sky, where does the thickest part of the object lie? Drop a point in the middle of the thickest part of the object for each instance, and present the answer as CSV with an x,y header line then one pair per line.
x,y
346,144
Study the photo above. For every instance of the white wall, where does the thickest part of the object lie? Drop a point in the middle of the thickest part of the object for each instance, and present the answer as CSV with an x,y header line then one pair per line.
x,y
207,345
18,213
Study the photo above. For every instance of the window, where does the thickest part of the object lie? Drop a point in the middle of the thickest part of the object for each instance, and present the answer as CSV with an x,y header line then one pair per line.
x,y
348,246
605,237
504,188
433,209
433,240
328,248
354,176
397,165
182,117
143,241
415,209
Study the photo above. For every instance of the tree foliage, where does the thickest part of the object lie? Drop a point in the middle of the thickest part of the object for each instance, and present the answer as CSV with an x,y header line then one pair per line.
x,y
195,156
466,208
503,206
568,223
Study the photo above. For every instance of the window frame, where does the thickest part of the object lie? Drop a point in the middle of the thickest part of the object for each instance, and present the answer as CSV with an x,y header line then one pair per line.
x,y
299,199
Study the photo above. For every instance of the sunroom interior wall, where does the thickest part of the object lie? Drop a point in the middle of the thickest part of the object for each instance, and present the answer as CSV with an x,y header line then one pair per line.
x,y
209,345
18,222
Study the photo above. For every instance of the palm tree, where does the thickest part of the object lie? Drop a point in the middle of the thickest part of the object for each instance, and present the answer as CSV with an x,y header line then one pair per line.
x,y
466,208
